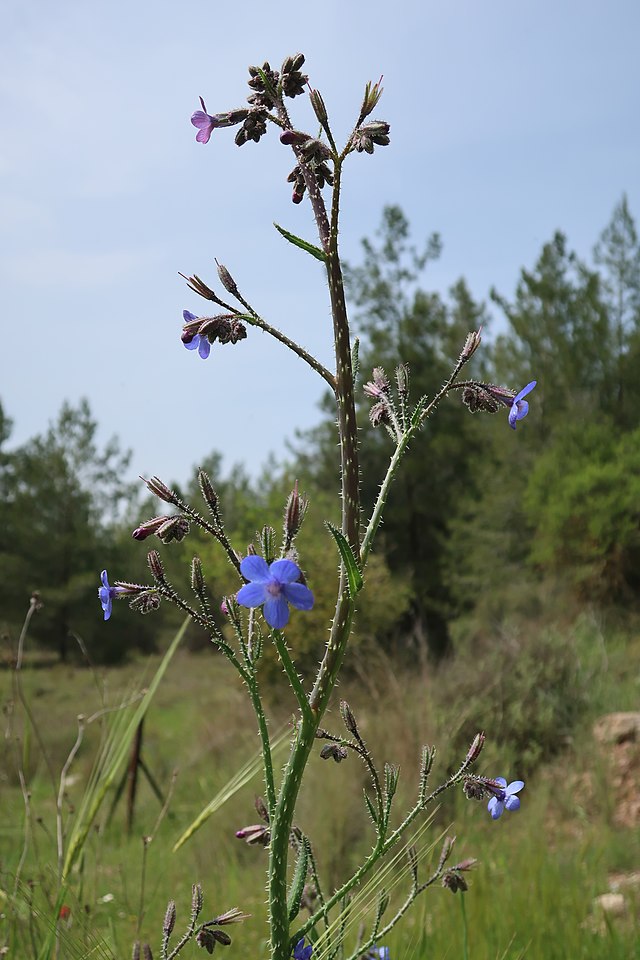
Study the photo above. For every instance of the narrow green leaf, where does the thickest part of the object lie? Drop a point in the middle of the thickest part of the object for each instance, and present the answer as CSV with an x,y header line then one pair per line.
x,y
303,244
370,807
354,574
298,880
113,756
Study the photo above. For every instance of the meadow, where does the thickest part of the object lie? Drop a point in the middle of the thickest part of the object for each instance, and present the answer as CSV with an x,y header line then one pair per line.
x,y
530,895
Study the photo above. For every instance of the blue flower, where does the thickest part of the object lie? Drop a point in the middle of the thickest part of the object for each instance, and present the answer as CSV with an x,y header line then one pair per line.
x,y
192,340
107,593
275,586
520,407
300,952
205,123
379,953
504,796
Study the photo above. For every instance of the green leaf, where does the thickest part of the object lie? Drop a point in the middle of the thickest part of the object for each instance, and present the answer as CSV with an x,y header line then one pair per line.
x,y
303,244
298,880
352,566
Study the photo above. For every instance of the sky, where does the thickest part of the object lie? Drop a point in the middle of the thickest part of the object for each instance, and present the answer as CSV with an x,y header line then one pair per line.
x,y
508,121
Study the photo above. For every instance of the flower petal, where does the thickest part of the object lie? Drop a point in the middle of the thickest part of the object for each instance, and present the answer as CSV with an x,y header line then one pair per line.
x,y
104,579
495,807
285,571
204,348
255,568
514,787
276,612
252,595
200,118
525,390
192,343
512,803
298,595
204,134
501,781
187,316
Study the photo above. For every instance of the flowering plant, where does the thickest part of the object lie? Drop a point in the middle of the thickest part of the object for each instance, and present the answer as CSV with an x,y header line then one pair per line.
x,y
271,577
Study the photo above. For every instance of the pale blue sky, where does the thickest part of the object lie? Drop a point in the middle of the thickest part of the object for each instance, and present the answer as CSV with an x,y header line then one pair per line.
x,y
508,120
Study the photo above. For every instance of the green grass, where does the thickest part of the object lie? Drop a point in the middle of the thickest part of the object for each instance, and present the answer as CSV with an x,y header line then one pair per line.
x,y
530,895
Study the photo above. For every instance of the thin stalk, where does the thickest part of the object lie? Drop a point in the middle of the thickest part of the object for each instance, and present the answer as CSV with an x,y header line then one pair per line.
x,y
292,674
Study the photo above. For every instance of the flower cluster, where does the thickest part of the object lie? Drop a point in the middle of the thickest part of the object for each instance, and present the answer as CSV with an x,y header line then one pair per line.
x,y
198,333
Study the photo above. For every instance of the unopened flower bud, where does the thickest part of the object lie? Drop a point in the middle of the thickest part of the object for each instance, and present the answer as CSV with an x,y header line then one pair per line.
x,y
135,953
227,280
146,952
155,564
402,379
294,137
319,107
198,583
196,900
255,834
169,918
476,747
471,345
348,718
160,490
445,853
379,414
294,513
148,528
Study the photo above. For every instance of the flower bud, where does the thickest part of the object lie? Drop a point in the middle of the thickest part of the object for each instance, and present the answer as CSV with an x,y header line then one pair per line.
x,y
146,952
160,490
148,528
196,900
445,853
294,137
294,513
471,345
135,954
476,748
349,719
227,280
319,108
155,564
169,918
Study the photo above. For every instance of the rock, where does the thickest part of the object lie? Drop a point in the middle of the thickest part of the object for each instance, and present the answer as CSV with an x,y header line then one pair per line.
x,y
613,904
617,728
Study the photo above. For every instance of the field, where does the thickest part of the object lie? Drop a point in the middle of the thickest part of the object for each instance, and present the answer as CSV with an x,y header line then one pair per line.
x,y
531,894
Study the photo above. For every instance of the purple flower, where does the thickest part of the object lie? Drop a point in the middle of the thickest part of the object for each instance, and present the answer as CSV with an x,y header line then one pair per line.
x,y
193,340
205,123
378,953
520,407
275,586
300,952
107,593
504,796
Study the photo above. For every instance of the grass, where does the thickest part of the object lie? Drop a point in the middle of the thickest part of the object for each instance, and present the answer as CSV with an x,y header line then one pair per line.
x,y
530,895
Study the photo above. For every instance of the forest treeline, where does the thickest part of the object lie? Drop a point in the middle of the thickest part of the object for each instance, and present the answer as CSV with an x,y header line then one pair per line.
x,y
485,525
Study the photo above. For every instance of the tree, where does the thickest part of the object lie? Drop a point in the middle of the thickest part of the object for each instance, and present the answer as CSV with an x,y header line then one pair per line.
x,y
618,255
62,498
